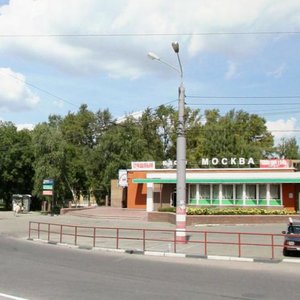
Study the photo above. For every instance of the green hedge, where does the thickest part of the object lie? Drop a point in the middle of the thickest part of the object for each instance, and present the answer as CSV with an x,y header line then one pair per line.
x,y
230,211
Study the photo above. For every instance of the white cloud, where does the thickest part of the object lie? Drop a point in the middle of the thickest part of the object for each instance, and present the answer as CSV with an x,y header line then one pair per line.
x,y
282,128
59,103
278,72
126,56
231,71
14,94
25,126
135,115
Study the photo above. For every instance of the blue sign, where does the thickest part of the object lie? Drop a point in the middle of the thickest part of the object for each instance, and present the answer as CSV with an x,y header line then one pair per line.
x,y
48,181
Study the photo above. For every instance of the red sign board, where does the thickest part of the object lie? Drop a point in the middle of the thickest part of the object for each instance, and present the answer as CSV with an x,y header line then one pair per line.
x,y
274,163
143,165
47,192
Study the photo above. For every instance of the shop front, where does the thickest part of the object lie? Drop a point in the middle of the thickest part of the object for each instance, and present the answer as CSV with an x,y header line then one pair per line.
x,y
240,187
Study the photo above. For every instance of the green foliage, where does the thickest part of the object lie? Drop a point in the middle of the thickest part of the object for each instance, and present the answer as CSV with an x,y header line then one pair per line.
x,y
83,150
167,209
237,134
16,161
288,148
230,211
238,211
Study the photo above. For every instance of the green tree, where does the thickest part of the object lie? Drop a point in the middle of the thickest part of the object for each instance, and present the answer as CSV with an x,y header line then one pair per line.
x,y
288,148
236,134
150,125
79,132
49,151
116,148
16,161
165,118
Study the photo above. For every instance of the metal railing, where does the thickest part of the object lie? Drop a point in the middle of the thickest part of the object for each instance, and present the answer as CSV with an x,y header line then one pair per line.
x,y
240,244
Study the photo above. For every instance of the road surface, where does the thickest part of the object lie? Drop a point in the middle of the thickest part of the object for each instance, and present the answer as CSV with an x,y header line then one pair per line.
x,y
41,271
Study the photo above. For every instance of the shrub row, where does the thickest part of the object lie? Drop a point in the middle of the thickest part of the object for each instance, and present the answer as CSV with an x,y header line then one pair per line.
x,y
230,211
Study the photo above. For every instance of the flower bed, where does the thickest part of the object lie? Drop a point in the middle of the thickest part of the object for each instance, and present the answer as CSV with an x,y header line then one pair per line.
x,y
230,211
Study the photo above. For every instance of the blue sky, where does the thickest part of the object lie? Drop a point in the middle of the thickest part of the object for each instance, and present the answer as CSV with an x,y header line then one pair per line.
x,y
56,55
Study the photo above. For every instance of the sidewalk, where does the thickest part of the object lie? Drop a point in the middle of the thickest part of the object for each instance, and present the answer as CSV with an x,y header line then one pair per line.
x,y
18,226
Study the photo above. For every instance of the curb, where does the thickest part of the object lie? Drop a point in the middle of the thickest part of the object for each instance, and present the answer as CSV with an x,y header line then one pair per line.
x,y
290,260
170,254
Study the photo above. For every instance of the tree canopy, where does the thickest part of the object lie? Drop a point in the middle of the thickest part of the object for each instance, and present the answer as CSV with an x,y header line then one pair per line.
x,y
83,150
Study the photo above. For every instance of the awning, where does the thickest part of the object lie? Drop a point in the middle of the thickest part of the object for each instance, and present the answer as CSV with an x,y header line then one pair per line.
x,y
217,178
265,180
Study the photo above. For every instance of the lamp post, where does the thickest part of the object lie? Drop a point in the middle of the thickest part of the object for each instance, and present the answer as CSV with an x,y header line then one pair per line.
x,y
180,152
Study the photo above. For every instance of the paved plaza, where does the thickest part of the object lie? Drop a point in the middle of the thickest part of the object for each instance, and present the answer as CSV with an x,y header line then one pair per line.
x,y
131,234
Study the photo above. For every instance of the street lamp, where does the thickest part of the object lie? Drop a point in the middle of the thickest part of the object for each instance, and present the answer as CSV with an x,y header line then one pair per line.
x,y
180,152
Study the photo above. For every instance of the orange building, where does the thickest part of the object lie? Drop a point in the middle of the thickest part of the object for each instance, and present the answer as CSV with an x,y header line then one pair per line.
x,y
269,187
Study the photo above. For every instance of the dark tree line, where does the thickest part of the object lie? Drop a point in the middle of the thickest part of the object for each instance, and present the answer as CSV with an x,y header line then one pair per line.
x,y
83,151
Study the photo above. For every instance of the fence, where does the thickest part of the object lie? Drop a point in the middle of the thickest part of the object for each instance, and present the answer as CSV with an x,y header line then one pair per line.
x,y
240,244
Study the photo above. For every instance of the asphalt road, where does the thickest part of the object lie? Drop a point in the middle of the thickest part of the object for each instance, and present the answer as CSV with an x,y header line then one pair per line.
x,y
37,271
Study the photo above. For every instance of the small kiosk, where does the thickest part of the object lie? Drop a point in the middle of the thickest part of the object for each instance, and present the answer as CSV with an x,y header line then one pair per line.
x,y
23,200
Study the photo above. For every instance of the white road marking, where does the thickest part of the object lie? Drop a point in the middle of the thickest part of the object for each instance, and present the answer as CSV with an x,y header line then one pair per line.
x,y
11,297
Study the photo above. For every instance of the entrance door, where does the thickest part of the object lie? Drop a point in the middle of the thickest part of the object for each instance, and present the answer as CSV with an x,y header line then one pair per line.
x,y
173,199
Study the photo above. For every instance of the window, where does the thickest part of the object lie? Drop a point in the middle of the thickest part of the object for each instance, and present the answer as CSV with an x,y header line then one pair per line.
x,y
262,191
193,190
204,191
227,191
274,191
215,194
251,191
239,192
235,194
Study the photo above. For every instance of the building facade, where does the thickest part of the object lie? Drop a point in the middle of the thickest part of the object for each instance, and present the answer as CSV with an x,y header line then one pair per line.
x,y
265,187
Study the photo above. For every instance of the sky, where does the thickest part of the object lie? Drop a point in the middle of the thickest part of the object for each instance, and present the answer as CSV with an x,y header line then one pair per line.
x,y
236,54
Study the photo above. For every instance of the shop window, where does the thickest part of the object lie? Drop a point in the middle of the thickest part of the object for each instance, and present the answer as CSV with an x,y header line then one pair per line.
x,y
227,191
262,191
251,191
204,191
193,191
215,191
274,191
239,191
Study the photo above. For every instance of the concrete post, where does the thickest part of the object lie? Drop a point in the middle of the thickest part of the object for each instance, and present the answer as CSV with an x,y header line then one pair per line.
x,y
181,170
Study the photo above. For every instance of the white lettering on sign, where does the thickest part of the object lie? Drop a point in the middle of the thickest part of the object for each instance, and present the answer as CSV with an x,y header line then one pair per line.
x,y
205,161
274,163
233,161
224,161
214,161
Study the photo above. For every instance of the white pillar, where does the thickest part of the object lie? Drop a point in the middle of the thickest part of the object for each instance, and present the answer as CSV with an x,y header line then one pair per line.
x,y
244,194
268,194
197,194
220,194
150,206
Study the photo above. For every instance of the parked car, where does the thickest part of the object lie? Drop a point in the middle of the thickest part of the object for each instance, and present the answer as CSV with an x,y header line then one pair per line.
x,y
292,238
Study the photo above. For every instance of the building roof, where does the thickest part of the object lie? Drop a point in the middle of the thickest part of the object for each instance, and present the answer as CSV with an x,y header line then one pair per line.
x,y
223,177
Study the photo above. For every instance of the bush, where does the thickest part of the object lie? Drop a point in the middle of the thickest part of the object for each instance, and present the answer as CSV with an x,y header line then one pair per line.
x,y
56,210
167,209
230,211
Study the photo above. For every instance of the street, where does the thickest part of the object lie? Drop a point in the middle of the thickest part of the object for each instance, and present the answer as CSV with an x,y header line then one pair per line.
x,y
37,271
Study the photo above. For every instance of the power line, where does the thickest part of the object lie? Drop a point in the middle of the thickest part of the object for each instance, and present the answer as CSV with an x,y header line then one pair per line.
x,y
246,97
262,33
40,89
239,104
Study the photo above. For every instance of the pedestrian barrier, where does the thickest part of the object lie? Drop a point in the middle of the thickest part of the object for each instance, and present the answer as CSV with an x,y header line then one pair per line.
x,y
200,243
